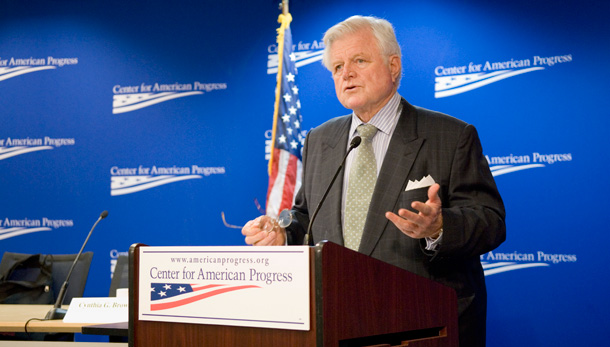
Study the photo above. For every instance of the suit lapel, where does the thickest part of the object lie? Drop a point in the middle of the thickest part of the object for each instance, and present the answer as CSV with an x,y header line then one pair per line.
x,y
397,164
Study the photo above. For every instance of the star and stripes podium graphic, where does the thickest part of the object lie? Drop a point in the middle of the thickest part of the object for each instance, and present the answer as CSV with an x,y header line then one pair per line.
x,y
165,296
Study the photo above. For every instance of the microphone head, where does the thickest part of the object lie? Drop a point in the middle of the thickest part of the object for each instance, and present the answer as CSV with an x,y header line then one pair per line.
x,y
104,214
355,142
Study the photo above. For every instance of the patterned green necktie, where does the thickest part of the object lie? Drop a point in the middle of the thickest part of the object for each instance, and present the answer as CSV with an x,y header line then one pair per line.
x,y
362,178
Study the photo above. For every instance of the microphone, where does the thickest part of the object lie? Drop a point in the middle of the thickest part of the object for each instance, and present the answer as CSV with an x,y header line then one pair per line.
x,y
355,143
57,312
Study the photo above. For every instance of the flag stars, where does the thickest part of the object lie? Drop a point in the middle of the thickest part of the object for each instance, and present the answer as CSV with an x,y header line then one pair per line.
x,y
164,291
287,135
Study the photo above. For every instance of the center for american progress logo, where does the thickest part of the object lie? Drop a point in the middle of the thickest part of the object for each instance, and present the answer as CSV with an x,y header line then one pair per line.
x,y
15,227
500,165
13,67
134,97
11,147
127,180
303,53
460,79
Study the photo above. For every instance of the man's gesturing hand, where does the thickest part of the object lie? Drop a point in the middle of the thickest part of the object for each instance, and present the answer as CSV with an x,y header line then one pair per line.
x,y
427,223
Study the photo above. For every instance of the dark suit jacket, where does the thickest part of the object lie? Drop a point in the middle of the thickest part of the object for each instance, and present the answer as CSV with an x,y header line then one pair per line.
x,y
424,143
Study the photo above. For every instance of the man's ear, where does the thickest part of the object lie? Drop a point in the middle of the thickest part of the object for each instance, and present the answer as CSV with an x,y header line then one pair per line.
x,y
395,67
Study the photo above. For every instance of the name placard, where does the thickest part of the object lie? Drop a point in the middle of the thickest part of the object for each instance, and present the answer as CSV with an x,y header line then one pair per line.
x,y
98,310
266,287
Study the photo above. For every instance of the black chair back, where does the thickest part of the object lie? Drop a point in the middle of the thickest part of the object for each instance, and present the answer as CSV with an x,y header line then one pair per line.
x,y
61,264
78,279
120,277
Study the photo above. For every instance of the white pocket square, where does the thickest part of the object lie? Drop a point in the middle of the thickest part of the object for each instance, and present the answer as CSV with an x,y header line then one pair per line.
x,y
426,181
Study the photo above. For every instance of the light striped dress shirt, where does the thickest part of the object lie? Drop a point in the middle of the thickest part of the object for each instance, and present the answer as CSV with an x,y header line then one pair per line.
x,y
385,120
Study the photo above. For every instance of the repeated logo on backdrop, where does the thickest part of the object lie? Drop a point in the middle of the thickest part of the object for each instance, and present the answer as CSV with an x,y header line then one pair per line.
x,y
134,97
304,53
459,79
500,165
15,227
498,262
13,67
127,180
10,147
456,80
127,98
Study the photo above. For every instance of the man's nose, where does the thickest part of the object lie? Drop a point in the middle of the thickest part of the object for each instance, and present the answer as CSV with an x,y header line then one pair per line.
x,y
348,72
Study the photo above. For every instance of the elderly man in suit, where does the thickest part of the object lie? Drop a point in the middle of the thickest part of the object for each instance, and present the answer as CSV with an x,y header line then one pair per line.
x,y
417,193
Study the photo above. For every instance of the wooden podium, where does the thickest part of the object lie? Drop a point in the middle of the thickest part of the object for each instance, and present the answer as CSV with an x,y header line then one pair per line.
x,y
355,301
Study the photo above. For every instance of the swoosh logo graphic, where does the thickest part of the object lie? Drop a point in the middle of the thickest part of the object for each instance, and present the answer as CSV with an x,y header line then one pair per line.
x,y
131,184
496,268
7,152
131,102
12,232
9,72
452,85
504,169
188,300
302,58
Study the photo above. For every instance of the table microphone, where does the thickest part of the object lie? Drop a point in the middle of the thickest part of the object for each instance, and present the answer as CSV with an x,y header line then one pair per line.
x,y
57,312
355,143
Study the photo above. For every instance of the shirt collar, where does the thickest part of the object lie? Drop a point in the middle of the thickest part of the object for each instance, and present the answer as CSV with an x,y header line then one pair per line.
x,y
384,120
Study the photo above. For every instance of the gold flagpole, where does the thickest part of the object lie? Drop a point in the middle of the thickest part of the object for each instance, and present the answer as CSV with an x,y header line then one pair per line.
x,y
284,19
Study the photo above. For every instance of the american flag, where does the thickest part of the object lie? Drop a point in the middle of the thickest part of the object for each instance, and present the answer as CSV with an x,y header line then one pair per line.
x,y
287,140
164,296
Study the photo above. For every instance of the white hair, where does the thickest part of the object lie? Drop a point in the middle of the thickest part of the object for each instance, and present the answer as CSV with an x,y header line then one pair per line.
x,y
382,31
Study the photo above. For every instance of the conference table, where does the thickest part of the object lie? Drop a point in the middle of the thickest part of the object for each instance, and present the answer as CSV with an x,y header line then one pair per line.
x,y
13,319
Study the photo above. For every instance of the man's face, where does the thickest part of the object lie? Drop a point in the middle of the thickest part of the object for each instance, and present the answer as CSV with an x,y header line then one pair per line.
x,y
364,82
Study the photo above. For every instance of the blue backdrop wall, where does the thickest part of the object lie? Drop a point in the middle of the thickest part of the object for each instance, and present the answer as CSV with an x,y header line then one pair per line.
x,y
160,112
